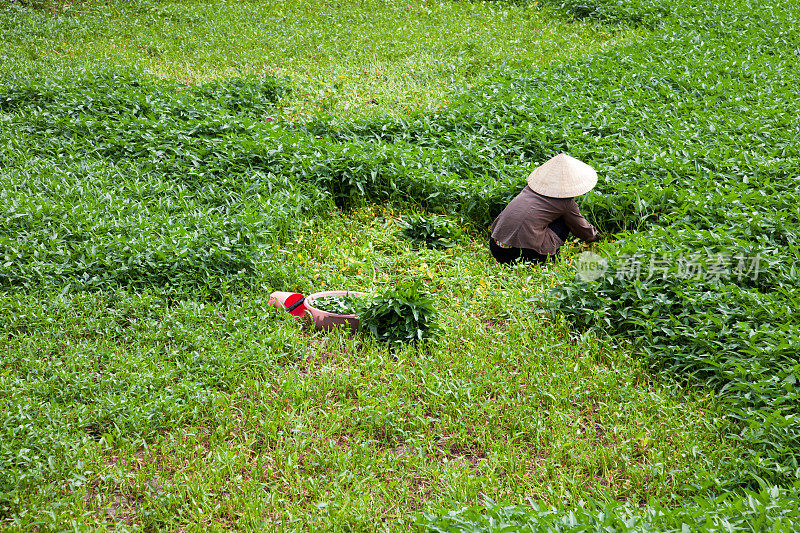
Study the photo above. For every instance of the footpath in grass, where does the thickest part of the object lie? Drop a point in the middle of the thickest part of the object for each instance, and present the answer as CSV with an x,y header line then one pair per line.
x,y
143,205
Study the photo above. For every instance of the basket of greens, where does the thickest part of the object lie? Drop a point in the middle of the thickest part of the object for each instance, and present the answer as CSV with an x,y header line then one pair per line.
x,y
330,309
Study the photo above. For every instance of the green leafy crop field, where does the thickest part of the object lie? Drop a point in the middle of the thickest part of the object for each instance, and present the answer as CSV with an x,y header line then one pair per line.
x,y
340,55
160,175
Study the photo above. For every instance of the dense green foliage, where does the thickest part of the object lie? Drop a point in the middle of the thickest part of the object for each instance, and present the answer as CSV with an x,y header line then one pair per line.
x,y
113,370
771,510
625,12
697,136
129,410
401,314
193,207
113,182
436,231
340,56
340,305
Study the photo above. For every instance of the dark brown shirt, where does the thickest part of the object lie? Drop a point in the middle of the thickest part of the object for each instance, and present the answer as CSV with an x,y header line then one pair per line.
x,y
523,222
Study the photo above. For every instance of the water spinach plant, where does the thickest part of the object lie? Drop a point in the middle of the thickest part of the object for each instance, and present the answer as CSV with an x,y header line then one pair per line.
x,y
349,304
402,314
143,203
435,231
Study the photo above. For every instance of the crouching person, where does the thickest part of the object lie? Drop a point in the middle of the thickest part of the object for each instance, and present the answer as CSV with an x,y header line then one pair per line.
x,y
535,224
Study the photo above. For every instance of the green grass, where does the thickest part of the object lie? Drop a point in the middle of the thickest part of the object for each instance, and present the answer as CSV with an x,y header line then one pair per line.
x,y
349,57
145,382
228,414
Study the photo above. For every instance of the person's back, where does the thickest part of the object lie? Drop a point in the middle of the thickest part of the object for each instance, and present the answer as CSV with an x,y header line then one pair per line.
x,y
534,225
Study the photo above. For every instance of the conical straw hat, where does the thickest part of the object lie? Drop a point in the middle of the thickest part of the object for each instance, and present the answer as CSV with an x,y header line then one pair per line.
x,y
563,177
